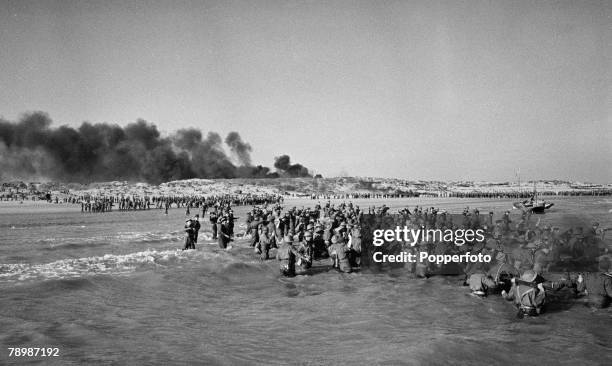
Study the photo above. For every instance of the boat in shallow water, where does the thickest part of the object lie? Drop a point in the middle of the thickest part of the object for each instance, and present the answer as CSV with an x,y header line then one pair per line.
x,y
534,204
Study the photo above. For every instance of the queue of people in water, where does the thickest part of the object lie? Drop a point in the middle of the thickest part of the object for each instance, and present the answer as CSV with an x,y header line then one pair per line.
x,y
460,194
99,204
221,219
524,251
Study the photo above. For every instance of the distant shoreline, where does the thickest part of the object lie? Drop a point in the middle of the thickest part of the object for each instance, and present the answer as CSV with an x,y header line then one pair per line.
x,y
40,206
341,186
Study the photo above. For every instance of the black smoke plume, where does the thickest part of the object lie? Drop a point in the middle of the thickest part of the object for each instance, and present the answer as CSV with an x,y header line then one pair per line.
x,y
32,148
239,148
283,164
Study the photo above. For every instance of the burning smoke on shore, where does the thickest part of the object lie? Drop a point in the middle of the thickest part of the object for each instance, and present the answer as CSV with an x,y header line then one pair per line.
x,y
283,164
31,148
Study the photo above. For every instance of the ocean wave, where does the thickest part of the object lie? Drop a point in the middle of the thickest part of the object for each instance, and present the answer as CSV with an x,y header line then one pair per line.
x,y
211,261
118,238
107,264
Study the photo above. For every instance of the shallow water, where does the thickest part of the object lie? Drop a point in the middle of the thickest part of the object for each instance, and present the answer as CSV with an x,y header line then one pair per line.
x,y
113,289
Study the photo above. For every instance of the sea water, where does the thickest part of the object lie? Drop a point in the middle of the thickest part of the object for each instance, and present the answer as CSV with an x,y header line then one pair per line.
x,y
115,288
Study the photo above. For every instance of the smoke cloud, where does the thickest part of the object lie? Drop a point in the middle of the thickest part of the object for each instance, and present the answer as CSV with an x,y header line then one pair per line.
x,y
239,148
32,148
283,164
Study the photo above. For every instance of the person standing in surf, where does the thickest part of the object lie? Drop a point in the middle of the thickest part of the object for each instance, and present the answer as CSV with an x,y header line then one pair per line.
x,y
304,250
286,255
223,235
213,221
196,229
189,229
339,254
263,244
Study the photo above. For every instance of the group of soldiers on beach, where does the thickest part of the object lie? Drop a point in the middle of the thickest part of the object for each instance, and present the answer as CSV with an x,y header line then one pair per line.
x,y
304,235
102,203
524,251
459,194
221,217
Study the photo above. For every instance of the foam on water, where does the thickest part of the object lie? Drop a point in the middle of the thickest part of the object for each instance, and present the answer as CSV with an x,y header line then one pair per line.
x,y
212,261
107,264
118,238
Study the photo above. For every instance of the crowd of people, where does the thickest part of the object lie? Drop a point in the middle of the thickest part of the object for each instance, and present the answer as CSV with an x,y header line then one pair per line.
x,y
102,203
458,194
527,193
523,250
363,195
221,217
58,193
307,234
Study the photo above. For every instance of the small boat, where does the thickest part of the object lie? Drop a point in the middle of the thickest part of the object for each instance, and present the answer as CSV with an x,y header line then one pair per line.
x,y
534,204
539,206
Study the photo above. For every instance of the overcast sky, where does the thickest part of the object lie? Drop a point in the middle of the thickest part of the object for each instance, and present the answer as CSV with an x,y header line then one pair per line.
x,y
412,89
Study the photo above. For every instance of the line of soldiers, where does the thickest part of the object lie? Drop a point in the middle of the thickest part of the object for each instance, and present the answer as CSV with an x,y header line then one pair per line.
x,y
222,222
97,205
103,203
434,193
222,219
524,251
364,195
192,228
521,194
303,235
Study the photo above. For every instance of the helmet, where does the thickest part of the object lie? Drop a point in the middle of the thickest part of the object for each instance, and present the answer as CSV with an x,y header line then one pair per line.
x,y
528,276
